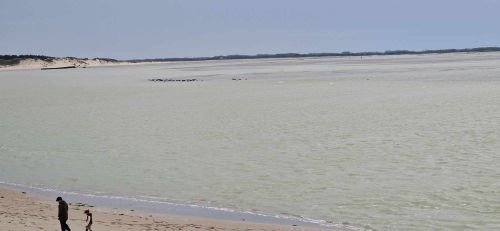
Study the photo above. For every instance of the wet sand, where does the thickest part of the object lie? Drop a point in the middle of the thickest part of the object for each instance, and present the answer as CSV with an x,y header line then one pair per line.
x,y
23,211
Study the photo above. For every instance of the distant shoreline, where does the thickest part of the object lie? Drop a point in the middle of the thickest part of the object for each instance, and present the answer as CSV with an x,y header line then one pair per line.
x,y
326,54
17,62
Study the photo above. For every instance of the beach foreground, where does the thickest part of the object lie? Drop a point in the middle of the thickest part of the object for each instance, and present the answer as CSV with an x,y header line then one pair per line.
x,y
22,211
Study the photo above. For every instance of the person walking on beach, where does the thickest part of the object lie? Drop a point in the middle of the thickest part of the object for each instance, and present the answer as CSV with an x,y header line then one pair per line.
x,y
89,225
63,214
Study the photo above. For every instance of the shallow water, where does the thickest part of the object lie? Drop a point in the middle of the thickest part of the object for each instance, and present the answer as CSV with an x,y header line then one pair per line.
x,y
396,143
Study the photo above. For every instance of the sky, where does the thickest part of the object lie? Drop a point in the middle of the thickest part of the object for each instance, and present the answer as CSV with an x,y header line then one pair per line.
x,y
130,29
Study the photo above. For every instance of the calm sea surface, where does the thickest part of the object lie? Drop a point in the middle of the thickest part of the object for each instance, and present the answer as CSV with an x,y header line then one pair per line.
x,y
396,143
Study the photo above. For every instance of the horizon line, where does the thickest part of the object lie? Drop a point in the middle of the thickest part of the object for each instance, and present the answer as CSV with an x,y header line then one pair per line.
x,y
267,55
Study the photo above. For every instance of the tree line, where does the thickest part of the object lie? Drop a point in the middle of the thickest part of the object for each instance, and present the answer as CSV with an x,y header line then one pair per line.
x,y
299,55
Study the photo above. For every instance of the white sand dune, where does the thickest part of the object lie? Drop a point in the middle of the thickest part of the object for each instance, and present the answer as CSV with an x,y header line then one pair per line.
x,y
29,64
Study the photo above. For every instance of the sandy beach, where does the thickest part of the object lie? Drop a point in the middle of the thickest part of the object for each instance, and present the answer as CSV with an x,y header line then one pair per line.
x,y
22,211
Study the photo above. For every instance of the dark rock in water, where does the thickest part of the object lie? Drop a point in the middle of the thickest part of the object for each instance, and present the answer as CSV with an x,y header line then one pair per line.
x,y
173,80
238,79
23,192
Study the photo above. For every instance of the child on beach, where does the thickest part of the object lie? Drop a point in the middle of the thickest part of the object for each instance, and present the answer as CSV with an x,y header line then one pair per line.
x,y
89,225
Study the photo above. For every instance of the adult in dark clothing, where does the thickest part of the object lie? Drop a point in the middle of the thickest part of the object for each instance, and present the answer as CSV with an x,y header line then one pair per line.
x,y
63,214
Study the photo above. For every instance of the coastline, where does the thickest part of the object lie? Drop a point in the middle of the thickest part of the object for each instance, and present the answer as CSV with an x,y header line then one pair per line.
x,y
82,118
32,64
25,210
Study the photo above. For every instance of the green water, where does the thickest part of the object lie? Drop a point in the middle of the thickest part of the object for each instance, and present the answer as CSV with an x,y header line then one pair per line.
x,y
398,143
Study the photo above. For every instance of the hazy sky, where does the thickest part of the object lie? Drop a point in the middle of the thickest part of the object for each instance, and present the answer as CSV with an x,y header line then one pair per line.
x,y
184,28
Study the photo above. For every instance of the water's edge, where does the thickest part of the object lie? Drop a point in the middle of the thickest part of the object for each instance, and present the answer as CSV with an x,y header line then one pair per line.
x,y
169,208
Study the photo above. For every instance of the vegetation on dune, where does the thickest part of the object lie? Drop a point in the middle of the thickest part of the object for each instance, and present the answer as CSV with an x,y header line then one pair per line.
x,y
11,60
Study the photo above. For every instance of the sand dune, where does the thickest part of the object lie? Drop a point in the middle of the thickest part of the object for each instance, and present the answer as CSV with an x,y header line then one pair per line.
x,y
28,64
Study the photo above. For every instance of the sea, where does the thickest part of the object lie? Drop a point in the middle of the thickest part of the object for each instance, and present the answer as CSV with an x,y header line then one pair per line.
x,y
384,142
